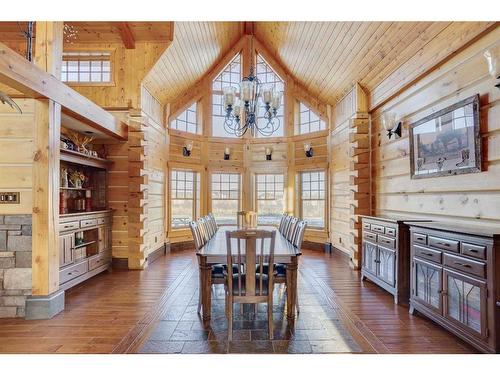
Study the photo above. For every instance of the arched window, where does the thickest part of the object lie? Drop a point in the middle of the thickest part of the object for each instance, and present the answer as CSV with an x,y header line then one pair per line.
x,y
230,76
267,76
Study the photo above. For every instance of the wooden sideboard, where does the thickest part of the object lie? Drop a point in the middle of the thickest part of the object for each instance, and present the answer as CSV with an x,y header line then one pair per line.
x,y
84,246
455,273
386,256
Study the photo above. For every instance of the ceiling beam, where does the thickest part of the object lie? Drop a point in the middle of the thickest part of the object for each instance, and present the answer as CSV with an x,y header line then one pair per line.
x,y
249,28
23,76
127,35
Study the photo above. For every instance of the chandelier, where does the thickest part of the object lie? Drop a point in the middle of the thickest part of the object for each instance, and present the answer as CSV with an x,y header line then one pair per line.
x,y
242,106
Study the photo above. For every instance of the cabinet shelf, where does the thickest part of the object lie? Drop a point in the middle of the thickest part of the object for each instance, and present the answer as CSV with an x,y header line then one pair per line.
x,y
73,188
75,157
84,244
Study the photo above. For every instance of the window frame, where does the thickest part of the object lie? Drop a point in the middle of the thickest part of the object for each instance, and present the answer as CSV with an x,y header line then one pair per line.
x,y
256,191
112,66
298,126
214,92
210,190
199,129
196,204
300,200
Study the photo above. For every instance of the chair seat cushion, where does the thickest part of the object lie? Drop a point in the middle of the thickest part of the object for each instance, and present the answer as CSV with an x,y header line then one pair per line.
x,y
265,283
219,270
279,269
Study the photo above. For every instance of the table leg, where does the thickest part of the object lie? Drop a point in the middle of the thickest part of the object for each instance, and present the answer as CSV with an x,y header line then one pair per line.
x,y
291,287
205,287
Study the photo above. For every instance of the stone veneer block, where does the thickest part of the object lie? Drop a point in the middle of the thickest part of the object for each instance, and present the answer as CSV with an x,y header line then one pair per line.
x,y
17,219
7,262
23,259
44,307
3,240
17,278
19,243
8,311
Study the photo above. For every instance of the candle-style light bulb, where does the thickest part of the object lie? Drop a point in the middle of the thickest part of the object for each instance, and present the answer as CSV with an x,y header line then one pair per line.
x,y
246,91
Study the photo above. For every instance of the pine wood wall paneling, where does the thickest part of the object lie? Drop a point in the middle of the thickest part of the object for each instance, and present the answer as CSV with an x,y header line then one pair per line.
x,y
16,155
465,198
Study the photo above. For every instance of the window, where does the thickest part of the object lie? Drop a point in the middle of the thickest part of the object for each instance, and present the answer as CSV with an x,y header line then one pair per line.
x,y
309,121
187,121
225,197
267,76
312,198
86,67
270,198
230,76
184,196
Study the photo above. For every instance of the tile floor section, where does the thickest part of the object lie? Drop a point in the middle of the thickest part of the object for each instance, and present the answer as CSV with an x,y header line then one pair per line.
x,y
317,329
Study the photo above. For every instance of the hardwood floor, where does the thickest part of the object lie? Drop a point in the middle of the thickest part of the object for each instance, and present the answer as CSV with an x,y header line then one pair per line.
x,y
116,312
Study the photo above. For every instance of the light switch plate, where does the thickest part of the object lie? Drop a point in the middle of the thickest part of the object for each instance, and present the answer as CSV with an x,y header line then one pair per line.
x,y
9,197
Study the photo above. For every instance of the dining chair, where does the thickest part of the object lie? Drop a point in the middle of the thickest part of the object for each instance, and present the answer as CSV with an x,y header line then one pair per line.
x,y
291,229
218,276
253,286
286,224
204,229
214,222
280,269
208,225
282,223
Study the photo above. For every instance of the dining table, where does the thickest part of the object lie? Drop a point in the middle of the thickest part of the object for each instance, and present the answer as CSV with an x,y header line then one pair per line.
x,y
215,252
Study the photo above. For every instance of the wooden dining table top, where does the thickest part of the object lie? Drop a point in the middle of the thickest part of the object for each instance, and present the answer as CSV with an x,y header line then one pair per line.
x,y
215,250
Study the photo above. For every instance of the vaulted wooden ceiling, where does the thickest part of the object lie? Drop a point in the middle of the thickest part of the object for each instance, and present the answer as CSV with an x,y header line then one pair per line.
x,y
327,58
196,47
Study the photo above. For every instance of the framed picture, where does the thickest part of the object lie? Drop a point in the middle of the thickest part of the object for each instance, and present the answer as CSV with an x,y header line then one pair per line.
x,y
447,142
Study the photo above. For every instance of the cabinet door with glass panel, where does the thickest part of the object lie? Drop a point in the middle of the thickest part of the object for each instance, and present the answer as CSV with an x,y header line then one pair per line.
x,y
270,198
427,284
465,302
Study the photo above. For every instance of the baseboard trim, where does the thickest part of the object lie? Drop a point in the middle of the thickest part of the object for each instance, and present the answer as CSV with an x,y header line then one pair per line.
x,y
179,246
44,307
119,263
156,254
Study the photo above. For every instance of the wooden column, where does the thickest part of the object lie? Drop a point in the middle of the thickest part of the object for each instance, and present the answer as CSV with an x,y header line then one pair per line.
x,y
45,242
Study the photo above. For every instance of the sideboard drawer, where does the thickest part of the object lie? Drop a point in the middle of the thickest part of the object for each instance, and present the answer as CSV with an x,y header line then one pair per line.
x,y
370,236
88,223
378,228
387,242
390,232
71,272
475,251
98,260
466,265
443,243
429,254
101,220
366,226
72,225
419,238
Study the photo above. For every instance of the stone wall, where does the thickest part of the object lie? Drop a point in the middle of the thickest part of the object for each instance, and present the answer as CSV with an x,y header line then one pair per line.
x,y
15,264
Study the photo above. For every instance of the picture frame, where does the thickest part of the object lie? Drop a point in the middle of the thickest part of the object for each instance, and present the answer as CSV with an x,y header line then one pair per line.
x,y
447,142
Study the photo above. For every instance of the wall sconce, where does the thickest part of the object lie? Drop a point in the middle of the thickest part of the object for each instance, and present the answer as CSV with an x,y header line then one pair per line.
x,y
269,153
186,150
308,149
227,152
493,59
389,123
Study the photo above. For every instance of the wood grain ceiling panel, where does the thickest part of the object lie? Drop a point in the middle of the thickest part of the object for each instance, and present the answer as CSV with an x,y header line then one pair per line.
x,y
196,47
327,58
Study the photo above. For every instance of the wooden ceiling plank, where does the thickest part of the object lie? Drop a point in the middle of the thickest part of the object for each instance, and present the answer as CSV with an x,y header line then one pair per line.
x,y
17,72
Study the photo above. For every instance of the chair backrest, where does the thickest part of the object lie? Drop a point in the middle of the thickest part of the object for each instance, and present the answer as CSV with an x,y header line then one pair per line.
x,y
282,223
299,234
208,226
213,223
289,235
195,231
203,229
250,250
286,224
